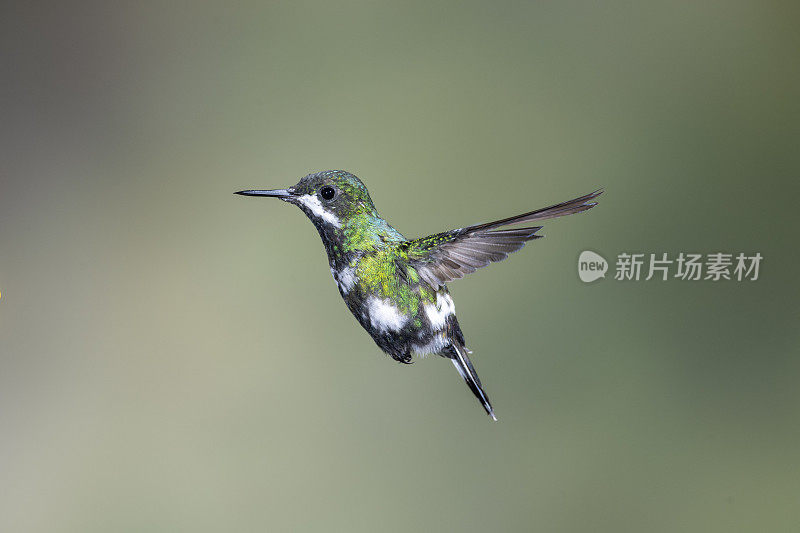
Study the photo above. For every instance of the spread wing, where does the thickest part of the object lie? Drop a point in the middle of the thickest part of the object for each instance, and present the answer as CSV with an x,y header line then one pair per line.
x,y
452,254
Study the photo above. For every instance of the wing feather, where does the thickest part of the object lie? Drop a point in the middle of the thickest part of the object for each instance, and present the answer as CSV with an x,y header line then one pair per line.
x,y
452,254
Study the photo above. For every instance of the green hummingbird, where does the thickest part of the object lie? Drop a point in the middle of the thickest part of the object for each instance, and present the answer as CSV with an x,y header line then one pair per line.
x,y
395,287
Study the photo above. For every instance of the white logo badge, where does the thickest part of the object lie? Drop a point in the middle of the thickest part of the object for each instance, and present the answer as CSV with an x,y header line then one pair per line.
x,y
591,266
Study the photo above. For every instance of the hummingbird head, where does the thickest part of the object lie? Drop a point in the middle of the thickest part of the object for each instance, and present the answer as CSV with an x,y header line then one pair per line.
x,y
331,199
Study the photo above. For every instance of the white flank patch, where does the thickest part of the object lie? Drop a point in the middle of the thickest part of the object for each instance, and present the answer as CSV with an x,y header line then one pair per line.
x,y
346,279
438,313
436,345
384,316
315,206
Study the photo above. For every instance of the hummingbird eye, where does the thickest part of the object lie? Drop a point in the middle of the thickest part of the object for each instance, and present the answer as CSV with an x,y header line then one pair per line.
x,y
327,192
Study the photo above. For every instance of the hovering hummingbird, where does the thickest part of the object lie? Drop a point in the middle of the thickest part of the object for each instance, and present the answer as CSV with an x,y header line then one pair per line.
x,y
395,287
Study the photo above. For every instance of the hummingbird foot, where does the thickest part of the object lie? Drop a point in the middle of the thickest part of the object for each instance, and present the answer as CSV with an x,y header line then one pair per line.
x,y
403,358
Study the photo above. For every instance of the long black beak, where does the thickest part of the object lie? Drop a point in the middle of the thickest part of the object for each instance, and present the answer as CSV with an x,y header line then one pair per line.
x,y
275,193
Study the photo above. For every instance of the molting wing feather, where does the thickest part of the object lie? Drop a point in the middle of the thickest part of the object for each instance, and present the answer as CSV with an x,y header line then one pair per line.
x,y
452,254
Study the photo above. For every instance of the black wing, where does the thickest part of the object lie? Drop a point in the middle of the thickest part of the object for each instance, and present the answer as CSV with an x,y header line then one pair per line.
x,y
450,255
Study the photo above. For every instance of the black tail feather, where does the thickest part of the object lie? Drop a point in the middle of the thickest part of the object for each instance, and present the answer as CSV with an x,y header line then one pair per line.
x,y
464,366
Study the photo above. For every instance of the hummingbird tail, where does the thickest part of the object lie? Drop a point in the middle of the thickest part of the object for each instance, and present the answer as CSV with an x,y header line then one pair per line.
x,y
460,359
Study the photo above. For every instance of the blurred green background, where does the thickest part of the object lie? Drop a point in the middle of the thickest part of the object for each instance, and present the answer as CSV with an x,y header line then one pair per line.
x,y
177,358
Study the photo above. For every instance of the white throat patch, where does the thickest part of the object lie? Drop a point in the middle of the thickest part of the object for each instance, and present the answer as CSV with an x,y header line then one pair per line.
x,y
318,210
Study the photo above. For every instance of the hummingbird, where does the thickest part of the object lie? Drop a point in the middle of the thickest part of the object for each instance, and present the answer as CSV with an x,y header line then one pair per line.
x,y
397,288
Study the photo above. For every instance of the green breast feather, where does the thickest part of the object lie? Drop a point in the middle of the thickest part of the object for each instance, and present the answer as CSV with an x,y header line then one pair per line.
x,y
386,274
